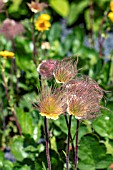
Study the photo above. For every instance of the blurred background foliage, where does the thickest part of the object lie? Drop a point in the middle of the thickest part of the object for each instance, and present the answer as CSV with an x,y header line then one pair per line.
x,y
79,28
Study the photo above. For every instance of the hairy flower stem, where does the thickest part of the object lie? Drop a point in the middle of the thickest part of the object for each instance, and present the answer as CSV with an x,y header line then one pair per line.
x,y
8,99
73,149
34,44
16,120
100,38
91,23
14,68
47,143
34,49
4,80
68,142
76,145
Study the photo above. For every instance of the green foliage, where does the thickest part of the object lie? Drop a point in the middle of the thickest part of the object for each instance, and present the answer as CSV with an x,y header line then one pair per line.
x,y
5,164
93,154
75,10
18,149
23,85
104,129
60,6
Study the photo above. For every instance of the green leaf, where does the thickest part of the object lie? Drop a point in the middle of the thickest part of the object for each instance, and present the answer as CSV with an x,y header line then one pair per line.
x,y
104,125
61,123
111,72
1,158
44,167
68,43
97,20
109,146
25,120
7,165
75,10
53,143
27,124
17,148
53,34
30,148
87,19
15,6
60,6
92,155
24,167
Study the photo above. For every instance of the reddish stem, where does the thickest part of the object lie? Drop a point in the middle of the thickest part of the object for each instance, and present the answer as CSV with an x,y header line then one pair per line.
x,y
34,44
68,143
91,22
5,86
76,146
8,99
100,38
73,149
47,143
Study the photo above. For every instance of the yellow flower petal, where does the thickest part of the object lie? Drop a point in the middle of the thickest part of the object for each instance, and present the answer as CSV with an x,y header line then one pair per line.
x,y
50,116
6,54
44,17
111,5
110,16
42,25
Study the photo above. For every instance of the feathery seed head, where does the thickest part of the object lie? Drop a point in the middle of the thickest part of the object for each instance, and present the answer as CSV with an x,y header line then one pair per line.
x,y
65,70
51,104
83,98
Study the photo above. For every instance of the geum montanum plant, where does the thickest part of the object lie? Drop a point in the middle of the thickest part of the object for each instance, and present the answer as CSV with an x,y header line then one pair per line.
x,y
73,95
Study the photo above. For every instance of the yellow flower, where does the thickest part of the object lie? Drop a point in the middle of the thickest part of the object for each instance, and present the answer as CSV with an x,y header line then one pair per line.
x,y
43,23
110,16
44,17
111,5
6,54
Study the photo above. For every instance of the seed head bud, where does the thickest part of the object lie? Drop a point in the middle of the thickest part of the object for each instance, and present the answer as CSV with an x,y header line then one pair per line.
x,y
46,68
36,6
